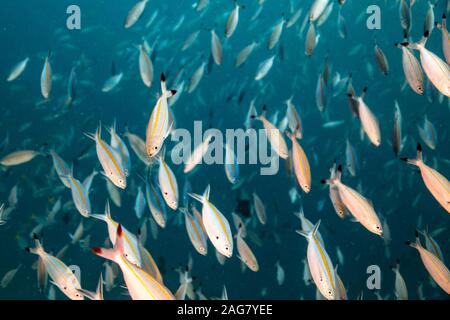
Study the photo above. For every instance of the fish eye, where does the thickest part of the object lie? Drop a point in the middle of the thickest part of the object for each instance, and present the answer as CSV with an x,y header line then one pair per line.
x,y
329,292
226,248
156,147
217,237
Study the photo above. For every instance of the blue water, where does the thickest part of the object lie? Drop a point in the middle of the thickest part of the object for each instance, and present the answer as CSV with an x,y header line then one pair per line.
x,y
32,28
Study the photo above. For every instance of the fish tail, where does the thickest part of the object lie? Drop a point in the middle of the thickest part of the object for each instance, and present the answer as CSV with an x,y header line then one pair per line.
x,y
118,249
418,158
416,244
38,249
206,193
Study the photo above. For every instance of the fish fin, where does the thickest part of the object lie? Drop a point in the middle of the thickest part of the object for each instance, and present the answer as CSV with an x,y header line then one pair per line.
x,y
316,227
206,193
303,233
196,197
418,158
118,249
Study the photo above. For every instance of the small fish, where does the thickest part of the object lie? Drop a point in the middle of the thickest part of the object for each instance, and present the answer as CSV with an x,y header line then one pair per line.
x,y
361,208
196,232
46,78
9,276
62,276
159,125
110,160
232,21
437,71
216,48
264,68
381,59
139,204
301,164
17,70
231,164
245,254
280,274
397,142
276,34
216,225
156,204
244,54
437,270
368,120
19,157
134,14
435,182
412,70
311,40
259,208
274,135
145,67
428,133
168,184
320,265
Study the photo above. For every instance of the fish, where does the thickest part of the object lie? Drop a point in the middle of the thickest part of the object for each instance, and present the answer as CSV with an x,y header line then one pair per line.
x,y
428,133
46,78
110,160
264,68
412,70
145,67
245,254
301,164
134,14
280,274
159,125
168,184
231,164
274,135
244,54
397,142
232,22
317,9
436,269
216,224
19,157
311,40
435,182
156,204
80,196
139,204
401,291
196,77
259,208
216,48
140,285
320,265
196,157
361,208
437,70
368,120
276,34
18,69
62,276
381,59
9,276
445,38
121,148
196,231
